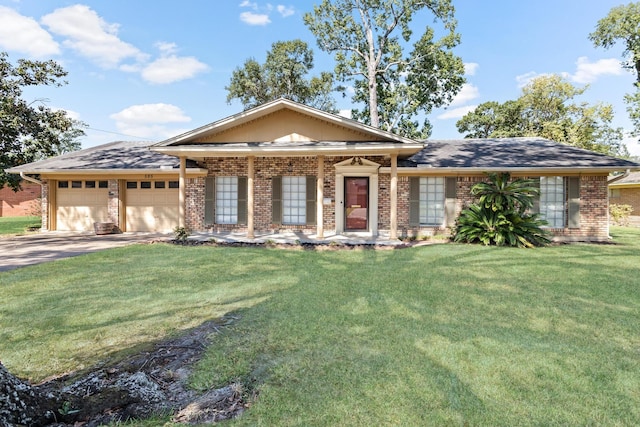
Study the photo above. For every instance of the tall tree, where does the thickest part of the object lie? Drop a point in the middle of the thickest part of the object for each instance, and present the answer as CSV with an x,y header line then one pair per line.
x,y
370,40
283,75
547,109
622,24
29,130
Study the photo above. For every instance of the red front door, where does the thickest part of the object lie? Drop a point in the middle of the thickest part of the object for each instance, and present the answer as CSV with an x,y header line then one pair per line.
x,y
357,203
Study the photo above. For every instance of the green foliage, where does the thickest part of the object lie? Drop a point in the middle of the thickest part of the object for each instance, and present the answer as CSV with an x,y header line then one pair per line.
x,y
503,194
622,24
181,233
370,42
500,217
29,130
547,109
620,213
283,75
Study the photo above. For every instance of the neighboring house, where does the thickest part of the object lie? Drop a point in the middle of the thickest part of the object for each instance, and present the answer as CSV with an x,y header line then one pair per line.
x,y
284,165
625,190
20,203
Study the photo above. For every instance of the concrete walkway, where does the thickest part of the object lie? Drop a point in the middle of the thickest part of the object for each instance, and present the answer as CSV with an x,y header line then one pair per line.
x,y
20,251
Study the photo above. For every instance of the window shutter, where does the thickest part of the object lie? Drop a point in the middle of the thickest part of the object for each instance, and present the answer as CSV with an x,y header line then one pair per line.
x,y
209,200
242,200
276,200
450,194
311,200
535,209
414,201
573,190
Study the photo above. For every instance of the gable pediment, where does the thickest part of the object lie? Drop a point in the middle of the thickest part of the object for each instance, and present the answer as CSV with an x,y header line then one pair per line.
x,y
285,126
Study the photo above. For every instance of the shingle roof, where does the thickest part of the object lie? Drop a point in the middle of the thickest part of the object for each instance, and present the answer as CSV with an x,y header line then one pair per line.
x,y
510,153
632,178
114,155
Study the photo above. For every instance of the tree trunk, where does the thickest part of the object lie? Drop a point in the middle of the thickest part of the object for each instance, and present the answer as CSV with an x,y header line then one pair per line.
x,y
23,404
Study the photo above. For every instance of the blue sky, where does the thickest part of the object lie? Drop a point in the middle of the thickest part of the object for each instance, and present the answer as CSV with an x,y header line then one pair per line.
x,y
153,69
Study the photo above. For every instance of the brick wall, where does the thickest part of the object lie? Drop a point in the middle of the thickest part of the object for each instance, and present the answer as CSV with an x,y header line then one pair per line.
x,y
593,198
593,210
627,196
20,203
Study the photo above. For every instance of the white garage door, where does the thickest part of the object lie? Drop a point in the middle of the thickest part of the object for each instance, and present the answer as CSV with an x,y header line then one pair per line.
x,y
152,205
80,204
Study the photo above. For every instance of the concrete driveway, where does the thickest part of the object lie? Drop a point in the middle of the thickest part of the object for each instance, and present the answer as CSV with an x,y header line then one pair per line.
x,y
20,251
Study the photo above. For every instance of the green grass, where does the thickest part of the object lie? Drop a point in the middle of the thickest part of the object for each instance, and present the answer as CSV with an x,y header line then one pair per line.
x,y
17,224
434,335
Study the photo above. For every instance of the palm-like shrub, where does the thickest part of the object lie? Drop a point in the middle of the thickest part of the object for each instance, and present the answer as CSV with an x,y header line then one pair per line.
x,y
500,217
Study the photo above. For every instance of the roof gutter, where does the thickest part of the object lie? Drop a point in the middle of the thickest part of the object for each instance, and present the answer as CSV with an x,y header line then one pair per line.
x,y
30,179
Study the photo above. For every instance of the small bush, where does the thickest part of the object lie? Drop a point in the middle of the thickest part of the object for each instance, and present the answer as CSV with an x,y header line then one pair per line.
x,y
501,217
620,213
181,233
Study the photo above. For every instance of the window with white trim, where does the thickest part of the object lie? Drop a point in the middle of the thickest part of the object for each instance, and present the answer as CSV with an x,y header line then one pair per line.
x,y
553,200
294,200
227,200
432,200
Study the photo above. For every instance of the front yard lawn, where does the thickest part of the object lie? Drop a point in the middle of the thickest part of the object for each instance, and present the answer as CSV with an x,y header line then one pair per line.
x,y
18,224
433,335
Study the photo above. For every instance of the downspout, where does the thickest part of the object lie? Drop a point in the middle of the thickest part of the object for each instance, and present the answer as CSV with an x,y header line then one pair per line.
x,y
28,178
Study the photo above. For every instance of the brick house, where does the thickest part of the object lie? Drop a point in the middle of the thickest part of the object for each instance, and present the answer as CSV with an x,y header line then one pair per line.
x,y
19,203
625,190
286,166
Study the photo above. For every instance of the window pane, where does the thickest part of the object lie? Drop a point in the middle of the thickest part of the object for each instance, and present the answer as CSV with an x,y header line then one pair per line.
x,y
145,184
552,200
294,200
432,200
159,184
174,184
63,184
227,200
89,184
76,184
103,184
132,184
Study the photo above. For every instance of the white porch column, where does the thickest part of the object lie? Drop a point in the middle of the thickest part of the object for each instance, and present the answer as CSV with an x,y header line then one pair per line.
x,y
182,194
393,232
250,196
320,199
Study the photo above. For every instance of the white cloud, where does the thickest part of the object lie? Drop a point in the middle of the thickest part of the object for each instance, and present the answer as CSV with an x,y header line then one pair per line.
x,y
285,11
167,48
23,34
466,94
169,69
456,113
255,18
633,145
525,79
470,68
247,3
588,72
150,120
91,36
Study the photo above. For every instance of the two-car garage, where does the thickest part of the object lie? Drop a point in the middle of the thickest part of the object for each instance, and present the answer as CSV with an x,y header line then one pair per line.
x,y
147,205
